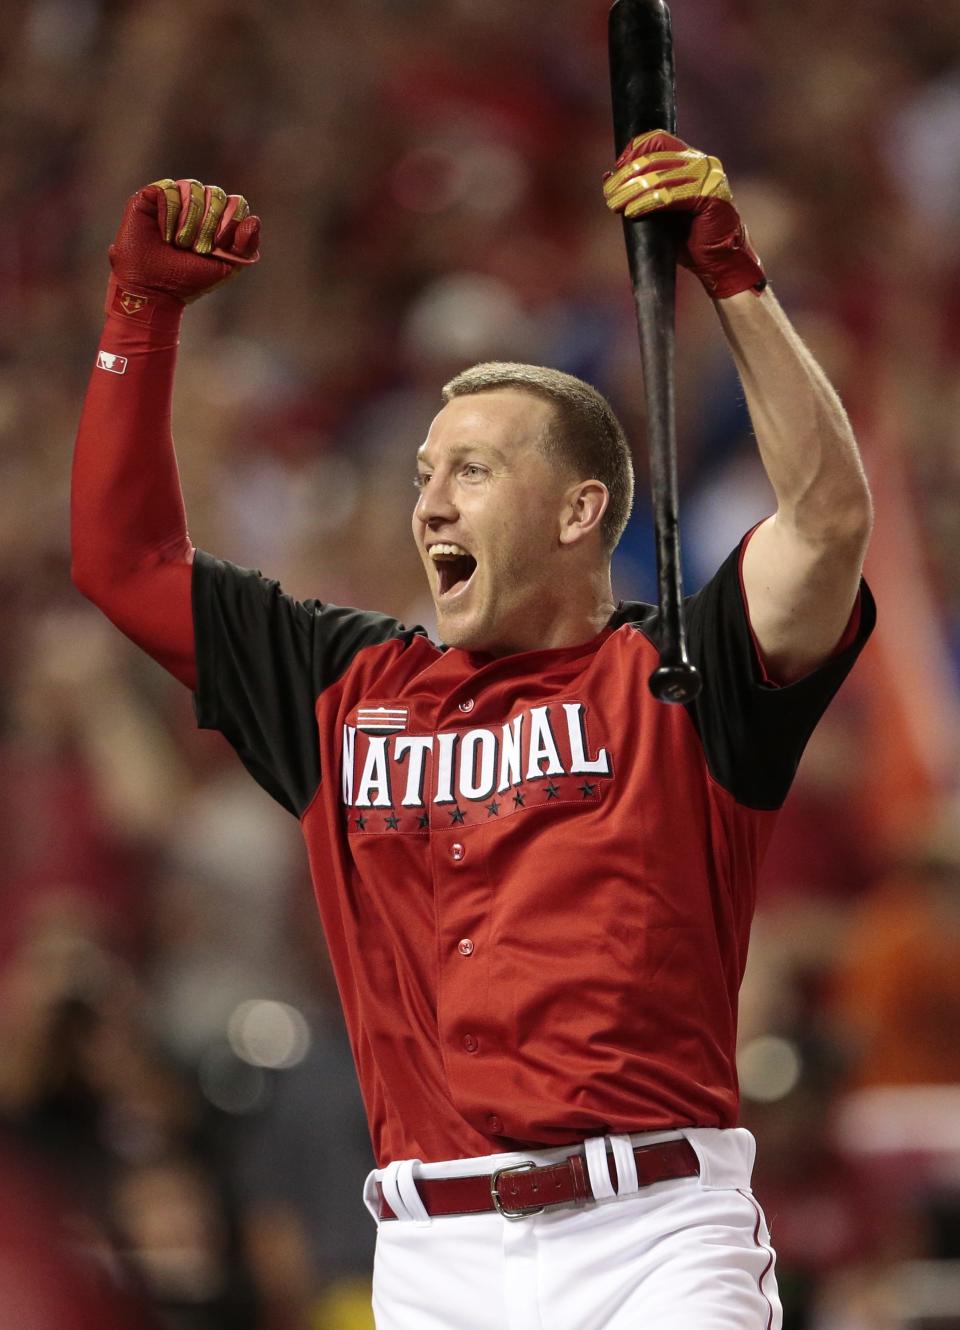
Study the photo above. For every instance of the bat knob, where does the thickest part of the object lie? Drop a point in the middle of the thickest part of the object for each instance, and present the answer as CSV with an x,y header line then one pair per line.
x,y
675,683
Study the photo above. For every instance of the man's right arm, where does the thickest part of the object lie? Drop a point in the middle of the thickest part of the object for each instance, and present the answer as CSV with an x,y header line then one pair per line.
x,y
131,553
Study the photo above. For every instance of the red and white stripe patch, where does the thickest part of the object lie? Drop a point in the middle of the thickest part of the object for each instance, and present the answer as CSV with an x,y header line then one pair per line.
x,y
381,720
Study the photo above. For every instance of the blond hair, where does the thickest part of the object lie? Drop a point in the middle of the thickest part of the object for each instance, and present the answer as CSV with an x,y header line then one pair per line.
x,y
585,433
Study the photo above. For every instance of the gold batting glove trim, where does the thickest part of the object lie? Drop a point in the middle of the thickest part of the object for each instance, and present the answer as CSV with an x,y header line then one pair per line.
x,y
172,209
650,163
216,202
635,192
715,183
236,210
668,185
191,214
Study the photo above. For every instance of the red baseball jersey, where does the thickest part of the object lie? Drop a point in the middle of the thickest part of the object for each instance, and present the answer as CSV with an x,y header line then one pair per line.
x,y
536,882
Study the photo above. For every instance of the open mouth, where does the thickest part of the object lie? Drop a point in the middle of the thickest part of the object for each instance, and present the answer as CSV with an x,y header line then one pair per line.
x,y
455,566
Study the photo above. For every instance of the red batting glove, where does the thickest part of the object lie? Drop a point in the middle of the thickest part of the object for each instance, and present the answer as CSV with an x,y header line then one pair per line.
x,y
178,239
659,172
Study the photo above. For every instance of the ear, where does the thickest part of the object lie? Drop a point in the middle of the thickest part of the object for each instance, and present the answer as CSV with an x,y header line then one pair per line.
x,y
584,506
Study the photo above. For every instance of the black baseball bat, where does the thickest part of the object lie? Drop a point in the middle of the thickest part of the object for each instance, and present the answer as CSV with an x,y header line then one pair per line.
x,y
644,98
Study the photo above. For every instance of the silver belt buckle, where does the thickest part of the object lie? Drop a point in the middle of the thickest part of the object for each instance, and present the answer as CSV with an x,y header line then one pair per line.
x,y
525,1210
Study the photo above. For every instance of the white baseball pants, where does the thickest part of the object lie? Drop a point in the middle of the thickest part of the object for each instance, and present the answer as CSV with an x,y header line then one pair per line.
x,y
687,1254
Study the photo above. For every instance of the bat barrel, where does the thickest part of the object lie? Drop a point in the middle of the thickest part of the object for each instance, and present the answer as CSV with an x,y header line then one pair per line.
x,y
641,69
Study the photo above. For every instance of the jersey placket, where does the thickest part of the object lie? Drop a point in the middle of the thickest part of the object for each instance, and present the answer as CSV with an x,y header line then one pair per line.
x,y
463,898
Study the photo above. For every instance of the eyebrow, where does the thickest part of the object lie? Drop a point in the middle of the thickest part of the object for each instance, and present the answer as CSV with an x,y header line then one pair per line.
x,y
460,450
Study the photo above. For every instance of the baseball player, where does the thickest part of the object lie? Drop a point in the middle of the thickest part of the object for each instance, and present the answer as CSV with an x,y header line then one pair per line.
x,y
536,882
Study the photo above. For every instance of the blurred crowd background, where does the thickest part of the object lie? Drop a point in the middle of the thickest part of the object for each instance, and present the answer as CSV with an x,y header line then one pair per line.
x,y
181,1140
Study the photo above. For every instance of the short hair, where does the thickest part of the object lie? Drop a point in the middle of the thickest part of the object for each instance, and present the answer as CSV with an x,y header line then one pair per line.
x,y
585,434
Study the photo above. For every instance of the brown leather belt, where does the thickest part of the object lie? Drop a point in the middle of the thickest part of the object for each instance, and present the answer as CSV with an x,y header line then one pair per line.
x,y
520,1190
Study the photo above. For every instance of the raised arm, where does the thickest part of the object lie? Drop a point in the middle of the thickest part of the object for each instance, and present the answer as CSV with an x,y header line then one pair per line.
x,y
131,553
801,567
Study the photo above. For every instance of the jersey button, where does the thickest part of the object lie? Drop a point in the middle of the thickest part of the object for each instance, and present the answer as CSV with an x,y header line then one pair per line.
x,y
457,851
465,946
471,1043
495,1124
466,704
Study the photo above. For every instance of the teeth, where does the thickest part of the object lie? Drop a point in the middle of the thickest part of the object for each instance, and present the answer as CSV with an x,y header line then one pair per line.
x,y
439,551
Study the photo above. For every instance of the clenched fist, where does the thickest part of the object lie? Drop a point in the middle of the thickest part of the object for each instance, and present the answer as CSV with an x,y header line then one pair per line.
x,y
181,239
658,171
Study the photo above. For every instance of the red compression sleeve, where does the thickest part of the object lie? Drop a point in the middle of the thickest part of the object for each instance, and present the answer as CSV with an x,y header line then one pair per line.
x,y
131,553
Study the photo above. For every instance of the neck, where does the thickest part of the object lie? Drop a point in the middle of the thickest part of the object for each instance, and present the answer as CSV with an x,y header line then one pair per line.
x,y
589,611
581,609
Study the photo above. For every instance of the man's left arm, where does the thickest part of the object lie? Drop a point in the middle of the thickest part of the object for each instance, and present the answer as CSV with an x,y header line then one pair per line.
x,y
801,567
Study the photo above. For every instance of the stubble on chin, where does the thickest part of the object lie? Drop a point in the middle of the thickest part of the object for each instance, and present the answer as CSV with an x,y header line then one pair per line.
x,y
452,636
463,636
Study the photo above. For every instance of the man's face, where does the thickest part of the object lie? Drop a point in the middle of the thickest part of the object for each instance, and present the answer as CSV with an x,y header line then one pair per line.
x,y
488,519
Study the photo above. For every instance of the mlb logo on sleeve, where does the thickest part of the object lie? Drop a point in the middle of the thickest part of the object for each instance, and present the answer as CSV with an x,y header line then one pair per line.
x,y
108,361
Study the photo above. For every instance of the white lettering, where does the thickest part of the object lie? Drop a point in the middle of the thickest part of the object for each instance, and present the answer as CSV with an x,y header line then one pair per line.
x,y
510,753
376,776
472,784
445,747
543,746
581,765
454,765
349,743
417,745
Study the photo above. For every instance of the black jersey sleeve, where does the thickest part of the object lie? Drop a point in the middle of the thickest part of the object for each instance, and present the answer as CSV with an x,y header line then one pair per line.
x,y
754,732
263,658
